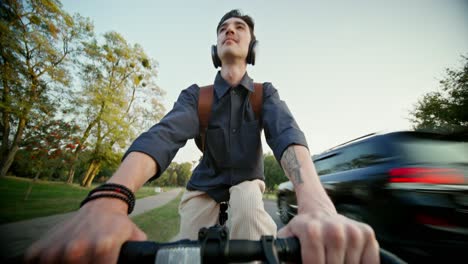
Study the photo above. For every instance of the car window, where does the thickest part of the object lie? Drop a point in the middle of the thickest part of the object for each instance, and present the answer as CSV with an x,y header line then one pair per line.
x,y
324,166
330,164
351,157
417,150
362,155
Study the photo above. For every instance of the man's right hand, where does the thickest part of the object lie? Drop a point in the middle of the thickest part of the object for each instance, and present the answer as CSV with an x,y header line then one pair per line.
x,y
94,234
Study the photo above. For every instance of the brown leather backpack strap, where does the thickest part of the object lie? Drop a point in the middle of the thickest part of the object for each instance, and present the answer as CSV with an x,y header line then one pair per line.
x,y
256,100
205,101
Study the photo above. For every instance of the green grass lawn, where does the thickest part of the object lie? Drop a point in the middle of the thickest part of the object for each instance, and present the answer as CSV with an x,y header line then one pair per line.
x,y
160,224
46,198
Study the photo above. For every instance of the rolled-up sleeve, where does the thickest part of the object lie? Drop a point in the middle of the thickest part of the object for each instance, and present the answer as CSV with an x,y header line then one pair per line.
x,y
281,130
163,140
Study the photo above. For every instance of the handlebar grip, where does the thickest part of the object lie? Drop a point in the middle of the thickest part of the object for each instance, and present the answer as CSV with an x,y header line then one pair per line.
x,y
244,250
289,249
138,252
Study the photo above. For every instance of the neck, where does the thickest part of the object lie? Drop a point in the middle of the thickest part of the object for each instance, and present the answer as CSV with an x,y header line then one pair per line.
x,y
233,73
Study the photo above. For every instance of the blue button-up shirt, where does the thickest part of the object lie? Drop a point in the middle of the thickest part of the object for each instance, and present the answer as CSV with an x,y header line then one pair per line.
x,y
233,149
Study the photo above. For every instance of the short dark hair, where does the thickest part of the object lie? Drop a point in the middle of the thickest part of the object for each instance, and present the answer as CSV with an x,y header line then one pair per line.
x,y
236,13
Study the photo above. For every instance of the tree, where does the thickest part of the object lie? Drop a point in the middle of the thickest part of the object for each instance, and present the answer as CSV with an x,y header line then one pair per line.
x,y
37,42
183,172
176,174
168,177
446,110
46,148
119,98
274,175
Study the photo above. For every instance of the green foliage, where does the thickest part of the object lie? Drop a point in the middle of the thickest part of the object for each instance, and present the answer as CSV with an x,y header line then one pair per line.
x,y
116,96
274,174
46,149
445,110
109,165
37,45
183,172
177,174
120,97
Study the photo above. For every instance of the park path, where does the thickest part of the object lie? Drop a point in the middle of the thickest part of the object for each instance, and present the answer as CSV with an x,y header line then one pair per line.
x,y
16,237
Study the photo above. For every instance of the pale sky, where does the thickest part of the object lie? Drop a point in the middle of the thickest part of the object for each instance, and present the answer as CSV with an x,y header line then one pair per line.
x,y
345,68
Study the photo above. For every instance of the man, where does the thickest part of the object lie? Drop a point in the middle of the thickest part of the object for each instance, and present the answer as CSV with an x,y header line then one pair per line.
x,y
231,169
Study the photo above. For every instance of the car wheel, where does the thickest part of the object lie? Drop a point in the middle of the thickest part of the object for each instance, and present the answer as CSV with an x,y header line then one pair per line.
x,y
283,210
352,211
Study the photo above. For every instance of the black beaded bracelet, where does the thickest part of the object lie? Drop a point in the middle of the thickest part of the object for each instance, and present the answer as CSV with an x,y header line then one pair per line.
x,y
114,188
131,204
121,192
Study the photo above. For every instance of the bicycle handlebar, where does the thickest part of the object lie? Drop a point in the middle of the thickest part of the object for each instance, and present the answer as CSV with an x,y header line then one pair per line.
x,y
190,251
214,246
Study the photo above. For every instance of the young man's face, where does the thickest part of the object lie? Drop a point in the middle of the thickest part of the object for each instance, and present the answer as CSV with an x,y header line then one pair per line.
x,y
233,39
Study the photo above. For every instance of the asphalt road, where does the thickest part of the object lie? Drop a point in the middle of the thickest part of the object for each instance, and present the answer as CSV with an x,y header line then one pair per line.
x,y
272,209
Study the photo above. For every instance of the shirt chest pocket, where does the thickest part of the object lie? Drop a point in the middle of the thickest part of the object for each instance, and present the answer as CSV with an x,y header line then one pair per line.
x,y
240,149
245,145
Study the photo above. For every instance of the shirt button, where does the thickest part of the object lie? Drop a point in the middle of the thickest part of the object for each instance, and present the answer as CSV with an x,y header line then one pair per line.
x,y
234,130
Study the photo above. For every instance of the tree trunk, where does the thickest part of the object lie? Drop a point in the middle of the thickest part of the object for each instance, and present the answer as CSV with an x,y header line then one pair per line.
x,y
71,175
6,112
31,185
71,171
86,176
8,160
10,157
93,174
5,133
92,171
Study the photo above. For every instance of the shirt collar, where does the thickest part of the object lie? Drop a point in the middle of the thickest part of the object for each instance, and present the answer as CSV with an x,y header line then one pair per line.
x,y
221,86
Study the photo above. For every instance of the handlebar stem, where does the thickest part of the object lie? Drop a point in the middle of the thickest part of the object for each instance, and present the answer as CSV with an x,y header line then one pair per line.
x,y
214,244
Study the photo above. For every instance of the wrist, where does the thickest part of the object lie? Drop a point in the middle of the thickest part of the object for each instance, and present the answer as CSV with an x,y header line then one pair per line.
x,y
110,204
114,191
314,202
317,211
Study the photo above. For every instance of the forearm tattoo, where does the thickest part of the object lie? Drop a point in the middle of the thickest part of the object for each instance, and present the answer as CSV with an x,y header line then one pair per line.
x,y
291,166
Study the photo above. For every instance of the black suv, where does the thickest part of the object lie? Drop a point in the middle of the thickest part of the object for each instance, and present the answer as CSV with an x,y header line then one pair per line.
x,y
411,187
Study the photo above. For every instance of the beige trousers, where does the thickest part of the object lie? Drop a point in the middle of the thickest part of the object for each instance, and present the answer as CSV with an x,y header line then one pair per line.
x,y
247,218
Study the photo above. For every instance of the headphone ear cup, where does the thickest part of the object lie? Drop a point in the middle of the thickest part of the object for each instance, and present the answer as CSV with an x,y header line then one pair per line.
x,y
215,57
252,52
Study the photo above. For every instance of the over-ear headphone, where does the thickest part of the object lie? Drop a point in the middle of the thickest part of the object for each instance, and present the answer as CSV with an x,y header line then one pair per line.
x,y
250,55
